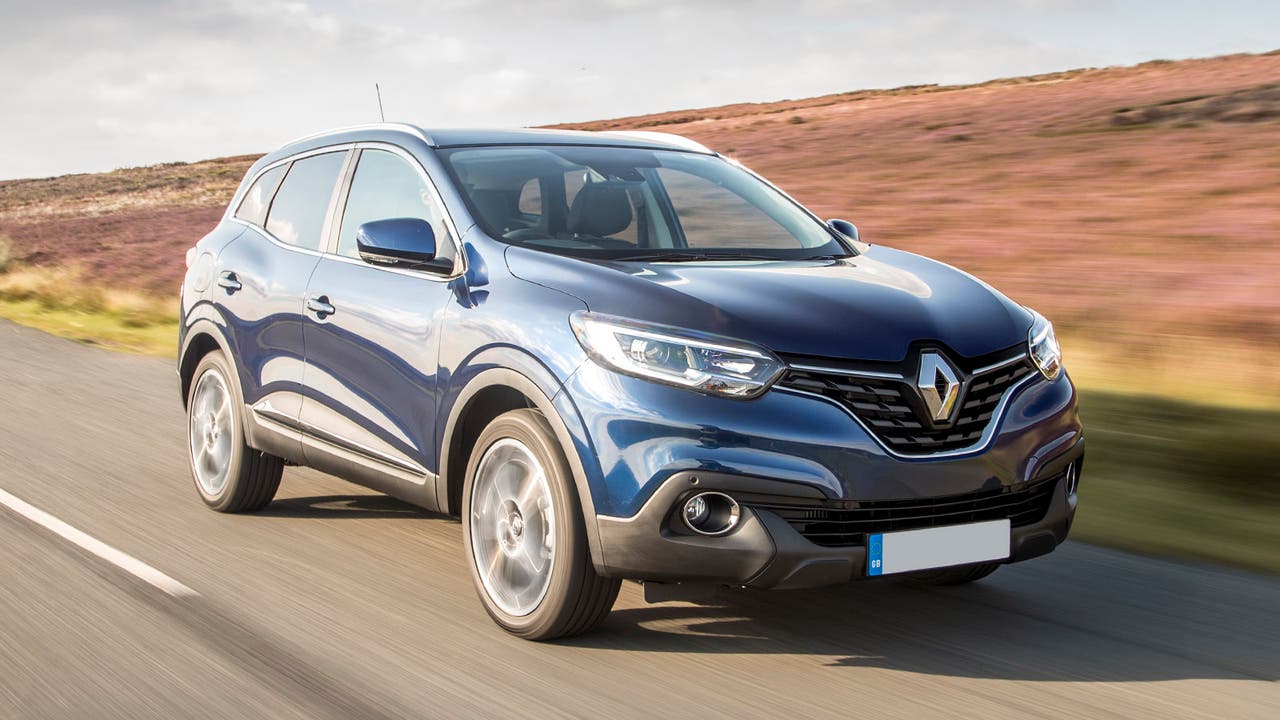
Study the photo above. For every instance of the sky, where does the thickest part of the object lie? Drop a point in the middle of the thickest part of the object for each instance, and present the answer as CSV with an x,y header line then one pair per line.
x,y
92,85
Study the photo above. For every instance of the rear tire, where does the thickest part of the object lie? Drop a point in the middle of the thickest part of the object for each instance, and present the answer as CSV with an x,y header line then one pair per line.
x,y
959,575
524,533
229,475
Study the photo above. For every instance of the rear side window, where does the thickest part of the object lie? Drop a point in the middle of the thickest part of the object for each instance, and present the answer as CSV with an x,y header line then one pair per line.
x,y
253,208
298,211
386,186
530,203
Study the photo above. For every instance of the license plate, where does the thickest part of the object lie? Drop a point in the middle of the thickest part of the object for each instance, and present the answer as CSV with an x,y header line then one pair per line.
x,y
908,550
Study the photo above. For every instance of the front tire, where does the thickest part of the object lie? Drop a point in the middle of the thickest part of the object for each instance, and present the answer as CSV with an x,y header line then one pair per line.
x,y
229,475
525,536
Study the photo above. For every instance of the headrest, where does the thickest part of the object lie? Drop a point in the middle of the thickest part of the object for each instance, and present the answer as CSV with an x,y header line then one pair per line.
x,y
601,210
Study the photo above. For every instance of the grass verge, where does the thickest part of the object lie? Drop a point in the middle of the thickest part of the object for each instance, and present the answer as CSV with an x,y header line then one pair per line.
x,y
1181,479
61,303
1163,476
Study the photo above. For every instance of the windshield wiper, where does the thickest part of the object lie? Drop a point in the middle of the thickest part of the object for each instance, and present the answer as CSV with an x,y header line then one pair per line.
x,y
689,257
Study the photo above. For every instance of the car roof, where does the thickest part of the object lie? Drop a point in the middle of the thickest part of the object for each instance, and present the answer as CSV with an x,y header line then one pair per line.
x,y
406,134
533,136
456,137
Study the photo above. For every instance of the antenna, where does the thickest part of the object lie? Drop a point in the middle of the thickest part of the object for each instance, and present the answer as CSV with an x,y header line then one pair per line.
x,y
380,112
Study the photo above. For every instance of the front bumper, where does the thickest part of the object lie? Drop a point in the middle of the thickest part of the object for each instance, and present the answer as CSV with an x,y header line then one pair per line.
x,y
765,551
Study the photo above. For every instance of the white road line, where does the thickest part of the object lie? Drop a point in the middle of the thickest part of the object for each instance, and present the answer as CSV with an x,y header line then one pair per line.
x,y
128,563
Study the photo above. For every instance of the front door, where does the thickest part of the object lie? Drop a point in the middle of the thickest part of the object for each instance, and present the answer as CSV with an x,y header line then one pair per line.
x,y
372,339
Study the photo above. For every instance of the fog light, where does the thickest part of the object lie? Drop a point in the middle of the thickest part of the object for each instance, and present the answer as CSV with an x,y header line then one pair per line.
x,y
1073,477
696,511
710,513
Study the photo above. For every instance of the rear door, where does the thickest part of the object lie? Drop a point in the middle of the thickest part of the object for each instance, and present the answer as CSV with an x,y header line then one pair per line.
x,y
262,280
372,337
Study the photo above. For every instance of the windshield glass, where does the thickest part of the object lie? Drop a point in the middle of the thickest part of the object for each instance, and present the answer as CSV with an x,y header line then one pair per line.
x,y
624,203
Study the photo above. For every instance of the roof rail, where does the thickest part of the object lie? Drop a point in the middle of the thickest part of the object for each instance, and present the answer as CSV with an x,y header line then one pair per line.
x,y
668,138
402,127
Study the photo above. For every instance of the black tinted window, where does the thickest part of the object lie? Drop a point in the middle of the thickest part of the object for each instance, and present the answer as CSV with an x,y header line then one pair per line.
x,y
253,208
386,186
299,208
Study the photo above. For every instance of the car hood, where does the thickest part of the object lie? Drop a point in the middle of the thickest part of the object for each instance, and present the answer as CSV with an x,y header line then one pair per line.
x,y
874,306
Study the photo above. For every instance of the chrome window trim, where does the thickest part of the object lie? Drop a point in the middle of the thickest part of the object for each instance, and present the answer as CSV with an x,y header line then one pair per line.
x,y
460,268
275,240
327,230
230,213
988,433
455,238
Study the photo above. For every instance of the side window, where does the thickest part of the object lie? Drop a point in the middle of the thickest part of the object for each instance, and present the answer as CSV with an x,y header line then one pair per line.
x,y
531,199
298,211
387,186
253,208
573,182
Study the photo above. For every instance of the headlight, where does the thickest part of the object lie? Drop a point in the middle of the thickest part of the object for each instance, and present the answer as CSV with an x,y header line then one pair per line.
x,y
1043,346
684,358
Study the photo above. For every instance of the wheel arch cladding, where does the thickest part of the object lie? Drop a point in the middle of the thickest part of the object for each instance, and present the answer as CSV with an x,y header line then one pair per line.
x,y
488,394
201,338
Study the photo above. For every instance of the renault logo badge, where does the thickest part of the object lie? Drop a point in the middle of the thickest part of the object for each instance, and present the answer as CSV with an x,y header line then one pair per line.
x,y
938,385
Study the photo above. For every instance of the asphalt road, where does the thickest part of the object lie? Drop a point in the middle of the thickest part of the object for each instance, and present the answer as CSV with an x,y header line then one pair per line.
x,y
339,603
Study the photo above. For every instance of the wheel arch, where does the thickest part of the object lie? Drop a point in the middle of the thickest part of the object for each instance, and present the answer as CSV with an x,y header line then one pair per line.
x,y
201,337
520,381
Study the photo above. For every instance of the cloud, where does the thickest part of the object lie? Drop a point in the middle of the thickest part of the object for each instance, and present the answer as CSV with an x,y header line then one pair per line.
x,y
96,85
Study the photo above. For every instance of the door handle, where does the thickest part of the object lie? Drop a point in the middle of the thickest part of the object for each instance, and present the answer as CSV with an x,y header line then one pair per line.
x,y
228,281
320,306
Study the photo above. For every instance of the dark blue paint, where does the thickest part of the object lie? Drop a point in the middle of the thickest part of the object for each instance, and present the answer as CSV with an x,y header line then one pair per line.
x,y
389,366
374,361
406,239
871,307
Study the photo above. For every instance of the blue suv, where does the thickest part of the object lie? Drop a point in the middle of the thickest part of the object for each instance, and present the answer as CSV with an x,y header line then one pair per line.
x,y
617,355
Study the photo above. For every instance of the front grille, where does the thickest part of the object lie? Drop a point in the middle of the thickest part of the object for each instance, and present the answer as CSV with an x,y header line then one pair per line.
x,y
835,524
895,413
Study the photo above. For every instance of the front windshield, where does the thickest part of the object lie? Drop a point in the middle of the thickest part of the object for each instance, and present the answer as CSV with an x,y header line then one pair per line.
x,y
625,203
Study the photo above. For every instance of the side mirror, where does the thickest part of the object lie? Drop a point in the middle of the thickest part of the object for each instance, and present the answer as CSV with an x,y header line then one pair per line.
x,y
845,228
408,243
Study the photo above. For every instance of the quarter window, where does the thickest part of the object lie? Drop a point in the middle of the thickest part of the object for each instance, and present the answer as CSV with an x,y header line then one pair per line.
x,y
386,186
299,209
253,208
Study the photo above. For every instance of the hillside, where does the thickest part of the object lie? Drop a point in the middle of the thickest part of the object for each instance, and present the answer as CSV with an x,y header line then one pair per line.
x,y
1137,207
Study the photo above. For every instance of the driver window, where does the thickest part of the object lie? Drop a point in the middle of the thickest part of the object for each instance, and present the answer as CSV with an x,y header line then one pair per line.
x,y
386,186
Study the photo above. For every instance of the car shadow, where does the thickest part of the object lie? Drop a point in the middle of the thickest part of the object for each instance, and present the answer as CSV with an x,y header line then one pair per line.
x,y
991,630
1082,614
344,506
